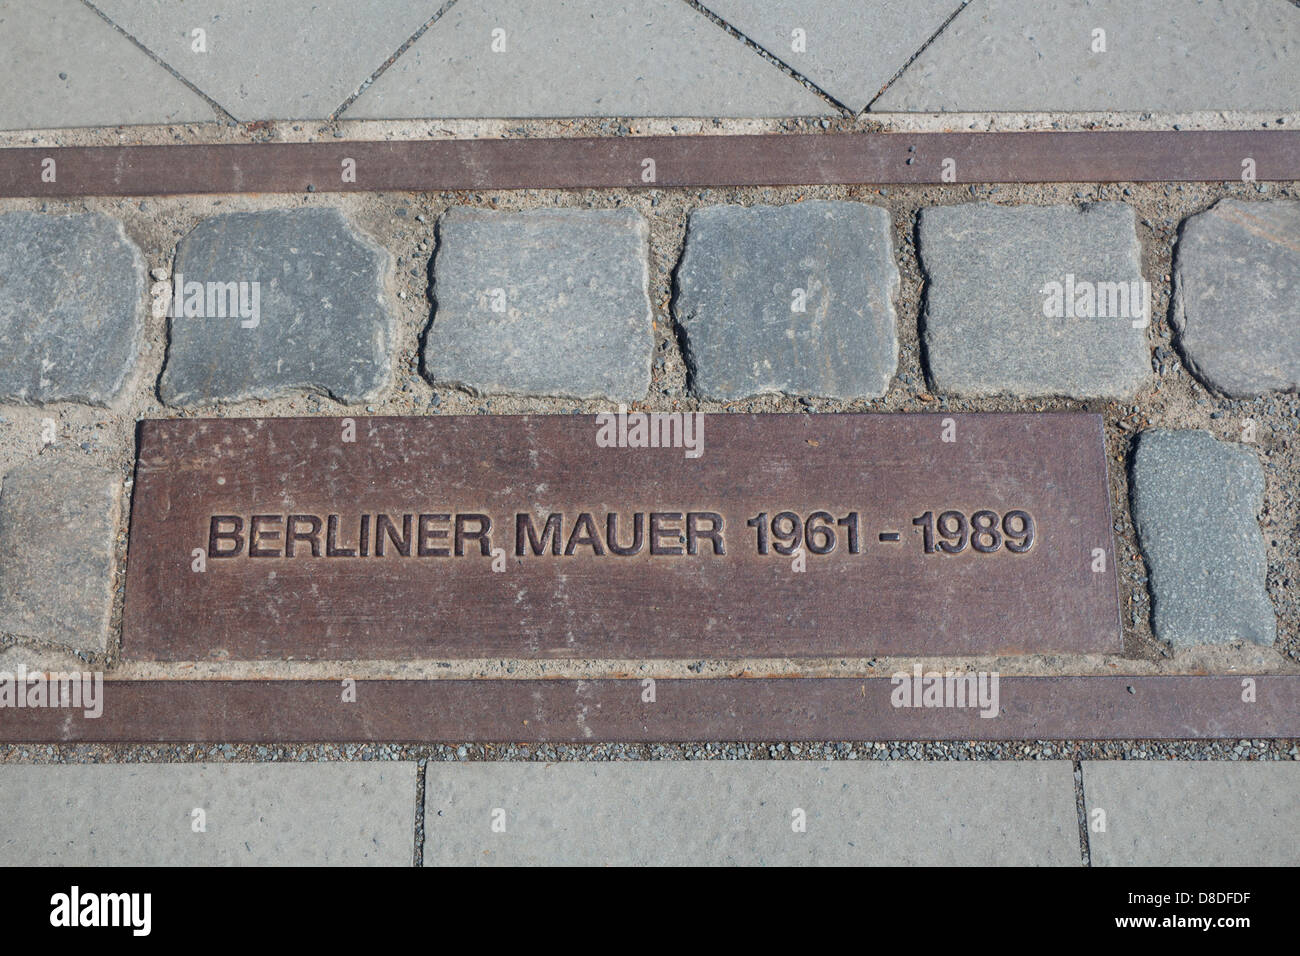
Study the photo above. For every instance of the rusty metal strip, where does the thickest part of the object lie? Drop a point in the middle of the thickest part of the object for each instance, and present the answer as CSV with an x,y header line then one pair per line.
x,y
704,709
608,162
522,536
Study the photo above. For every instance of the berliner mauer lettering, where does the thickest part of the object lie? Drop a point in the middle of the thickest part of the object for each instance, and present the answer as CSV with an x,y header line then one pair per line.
x,y
534,537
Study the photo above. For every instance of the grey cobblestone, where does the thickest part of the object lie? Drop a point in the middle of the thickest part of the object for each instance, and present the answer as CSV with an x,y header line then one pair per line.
x,y
795,299
1237,296
71,306
990,272
58,522
313,309
545,302
1195,502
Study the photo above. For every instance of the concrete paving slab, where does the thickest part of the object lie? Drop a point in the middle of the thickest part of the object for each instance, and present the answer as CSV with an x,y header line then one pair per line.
x,y
762,812
1184,813
1034,300
291,59
1237,296
58,527
267,814
795,299
65,66
518,292
1196,502
499,58
1176,55
849,48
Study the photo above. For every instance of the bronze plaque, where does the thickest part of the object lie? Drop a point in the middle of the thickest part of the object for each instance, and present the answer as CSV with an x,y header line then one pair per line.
x,y
620,536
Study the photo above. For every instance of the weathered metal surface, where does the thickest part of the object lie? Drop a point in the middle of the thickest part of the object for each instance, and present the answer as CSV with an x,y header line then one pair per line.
x,y
595,711
522,537
761,160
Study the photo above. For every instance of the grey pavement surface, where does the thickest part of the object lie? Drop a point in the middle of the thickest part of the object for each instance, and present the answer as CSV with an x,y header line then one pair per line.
x,y
1150,55
64,66
796,299
268,302
851,49
71,290
1195,505
518,295
1034,301
1189,813
1237,296
108,62
581,58
321,814
673,812
58,528
750,813
286,59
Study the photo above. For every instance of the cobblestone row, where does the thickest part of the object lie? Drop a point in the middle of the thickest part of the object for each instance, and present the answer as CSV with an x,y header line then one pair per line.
x,y
1022,302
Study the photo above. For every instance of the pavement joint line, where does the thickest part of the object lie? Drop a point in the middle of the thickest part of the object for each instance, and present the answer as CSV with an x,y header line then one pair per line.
x,y
421,776
393,57
912,59
222,114
1081,806
768,55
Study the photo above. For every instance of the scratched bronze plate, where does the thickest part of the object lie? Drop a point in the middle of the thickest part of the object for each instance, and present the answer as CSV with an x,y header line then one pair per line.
x,y
561,537
617,162
1177,707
